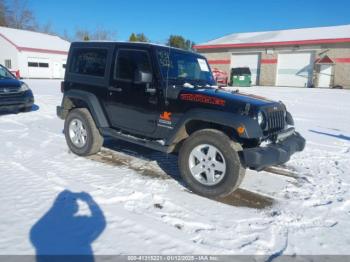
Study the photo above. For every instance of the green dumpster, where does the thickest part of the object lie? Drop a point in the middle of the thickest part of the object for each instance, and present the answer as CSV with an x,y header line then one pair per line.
x,y
241,76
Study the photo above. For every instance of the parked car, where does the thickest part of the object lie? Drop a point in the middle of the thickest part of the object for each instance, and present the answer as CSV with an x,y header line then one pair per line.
x,y
220,77
15,95
166,99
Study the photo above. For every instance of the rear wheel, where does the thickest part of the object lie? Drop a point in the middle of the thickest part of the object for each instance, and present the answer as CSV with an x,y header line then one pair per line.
x,y
82,136
209,163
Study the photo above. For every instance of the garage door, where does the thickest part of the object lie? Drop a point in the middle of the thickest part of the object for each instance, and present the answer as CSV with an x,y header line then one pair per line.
x,y
295,69
247,60
39,68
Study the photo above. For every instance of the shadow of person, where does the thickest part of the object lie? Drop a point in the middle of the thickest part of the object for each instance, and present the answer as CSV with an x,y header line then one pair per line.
x,y
62,231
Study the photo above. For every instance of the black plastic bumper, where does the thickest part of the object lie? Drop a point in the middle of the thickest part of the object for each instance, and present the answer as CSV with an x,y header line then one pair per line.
x,y
274,154
61,112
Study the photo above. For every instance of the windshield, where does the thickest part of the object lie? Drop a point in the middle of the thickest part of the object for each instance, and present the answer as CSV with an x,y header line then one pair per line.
x,y
5,74
184,67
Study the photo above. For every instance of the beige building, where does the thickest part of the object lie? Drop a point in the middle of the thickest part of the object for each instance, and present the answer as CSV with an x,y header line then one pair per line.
x,y
318,57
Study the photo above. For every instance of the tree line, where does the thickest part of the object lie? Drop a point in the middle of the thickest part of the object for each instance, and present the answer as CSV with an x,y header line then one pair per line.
x,y
17,14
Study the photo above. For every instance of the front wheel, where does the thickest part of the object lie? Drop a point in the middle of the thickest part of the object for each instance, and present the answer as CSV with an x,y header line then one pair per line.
x,y
209,163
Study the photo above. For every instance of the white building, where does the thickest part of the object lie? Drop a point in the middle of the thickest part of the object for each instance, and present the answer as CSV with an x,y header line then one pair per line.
x,y
32,54
318,56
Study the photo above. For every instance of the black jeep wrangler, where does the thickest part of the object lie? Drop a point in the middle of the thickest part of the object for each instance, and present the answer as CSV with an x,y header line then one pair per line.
x,y
166,99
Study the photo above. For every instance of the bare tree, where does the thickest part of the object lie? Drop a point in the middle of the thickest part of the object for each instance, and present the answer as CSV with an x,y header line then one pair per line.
x,y
103,34
82,34
66,36
47,29
20,16
3,13
98,34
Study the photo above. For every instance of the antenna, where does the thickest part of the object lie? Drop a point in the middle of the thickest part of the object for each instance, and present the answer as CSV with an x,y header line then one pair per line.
x,y
167,78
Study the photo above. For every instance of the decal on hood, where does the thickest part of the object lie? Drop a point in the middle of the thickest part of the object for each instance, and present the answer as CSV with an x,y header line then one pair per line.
x,y
203,99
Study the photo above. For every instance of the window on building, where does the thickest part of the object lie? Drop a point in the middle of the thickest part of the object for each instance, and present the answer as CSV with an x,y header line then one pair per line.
x,y
89,62
8,63
128,61
43,64
33,64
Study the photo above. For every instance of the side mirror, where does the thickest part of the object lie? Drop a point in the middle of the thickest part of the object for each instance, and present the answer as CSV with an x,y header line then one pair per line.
x,y
142,77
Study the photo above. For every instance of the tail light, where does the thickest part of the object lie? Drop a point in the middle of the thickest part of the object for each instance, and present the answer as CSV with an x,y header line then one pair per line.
x,y
62,86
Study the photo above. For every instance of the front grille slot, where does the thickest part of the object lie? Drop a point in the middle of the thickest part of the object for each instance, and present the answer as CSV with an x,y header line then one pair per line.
x,y
276,121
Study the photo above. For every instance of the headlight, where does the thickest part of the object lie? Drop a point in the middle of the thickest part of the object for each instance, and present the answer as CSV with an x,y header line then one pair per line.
x,y
24,87
261,120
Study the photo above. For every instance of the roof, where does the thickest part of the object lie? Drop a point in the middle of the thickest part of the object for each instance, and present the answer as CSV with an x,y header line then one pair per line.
x,y
93,42
316,35
25,40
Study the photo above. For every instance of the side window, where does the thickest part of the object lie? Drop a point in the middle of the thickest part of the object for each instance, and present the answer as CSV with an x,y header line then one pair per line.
x,y
89,62
129,61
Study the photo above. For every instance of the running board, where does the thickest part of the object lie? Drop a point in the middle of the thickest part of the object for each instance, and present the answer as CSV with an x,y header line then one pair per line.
x,y
136,140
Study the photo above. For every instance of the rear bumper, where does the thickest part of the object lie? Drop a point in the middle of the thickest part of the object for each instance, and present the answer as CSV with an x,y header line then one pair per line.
x,y
16,101
274,154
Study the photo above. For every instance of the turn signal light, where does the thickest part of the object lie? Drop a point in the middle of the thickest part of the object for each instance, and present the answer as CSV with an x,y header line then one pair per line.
x,y
240,130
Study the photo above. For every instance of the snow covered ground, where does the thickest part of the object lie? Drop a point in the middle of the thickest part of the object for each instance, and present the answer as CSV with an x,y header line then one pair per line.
x,y
139,206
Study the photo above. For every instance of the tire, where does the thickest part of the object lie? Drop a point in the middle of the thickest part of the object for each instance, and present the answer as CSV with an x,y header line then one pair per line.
x,y
26,109
223,183
91,141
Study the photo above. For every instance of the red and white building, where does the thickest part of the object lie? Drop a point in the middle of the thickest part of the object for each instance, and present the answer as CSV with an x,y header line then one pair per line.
x,y
318,57
32,54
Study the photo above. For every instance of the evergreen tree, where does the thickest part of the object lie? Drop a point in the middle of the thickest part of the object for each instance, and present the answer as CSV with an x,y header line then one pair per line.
x,y
180,42
142,38
133,38
138,38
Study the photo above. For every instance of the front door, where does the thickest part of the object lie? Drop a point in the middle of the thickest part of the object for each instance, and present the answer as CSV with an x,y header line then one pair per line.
x,y
131,106
324,79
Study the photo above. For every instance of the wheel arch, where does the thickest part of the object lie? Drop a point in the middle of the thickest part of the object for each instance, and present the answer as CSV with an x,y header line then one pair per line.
x,y
82,99
222,121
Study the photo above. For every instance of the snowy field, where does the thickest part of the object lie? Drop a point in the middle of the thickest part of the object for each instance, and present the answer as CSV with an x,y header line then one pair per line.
x,y
138,204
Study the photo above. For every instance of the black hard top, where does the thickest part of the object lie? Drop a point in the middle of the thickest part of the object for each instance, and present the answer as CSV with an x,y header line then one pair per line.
x,y
120,43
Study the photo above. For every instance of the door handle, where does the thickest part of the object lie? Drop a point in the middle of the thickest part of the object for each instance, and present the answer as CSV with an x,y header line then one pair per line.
x,y
116,89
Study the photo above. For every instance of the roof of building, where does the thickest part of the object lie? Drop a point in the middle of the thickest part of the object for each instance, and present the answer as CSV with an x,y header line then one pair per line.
x,y
25,40
316,35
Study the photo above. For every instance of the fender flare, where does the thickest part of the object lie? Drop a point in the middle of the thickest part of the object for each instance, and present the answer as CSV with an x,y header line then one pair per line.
x,y
92,102
252,128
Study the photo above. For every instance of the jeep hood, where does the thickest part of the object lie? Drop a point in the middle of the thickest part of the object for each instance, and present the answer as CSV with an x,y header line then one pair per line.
x,y
234,100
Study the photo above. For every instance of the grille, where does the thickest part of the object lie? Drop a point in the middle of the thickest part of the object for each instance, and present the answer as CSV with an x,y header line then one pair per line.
x,y
7,90
276,121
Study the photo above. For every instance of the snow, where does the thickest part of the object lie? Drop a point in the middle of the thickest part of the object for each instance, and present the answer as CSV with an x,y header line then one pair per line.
x,y
30,39
316,33
135,203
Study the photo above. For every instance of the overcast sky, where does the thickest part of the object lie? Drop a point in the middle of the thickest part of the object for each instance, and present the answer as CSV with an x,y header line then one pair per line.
x,y
198,20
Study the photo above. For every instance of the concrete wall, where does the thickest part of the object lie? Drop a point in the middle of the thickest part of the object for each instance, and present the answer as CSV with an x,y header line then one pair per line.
x,y
268,69
340,53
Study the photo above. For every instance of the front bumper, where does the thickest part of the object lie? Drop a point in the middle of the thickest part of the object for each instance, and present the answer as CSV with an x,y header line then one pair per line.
x,y
274,154
16,101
